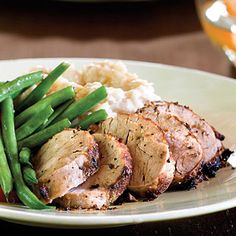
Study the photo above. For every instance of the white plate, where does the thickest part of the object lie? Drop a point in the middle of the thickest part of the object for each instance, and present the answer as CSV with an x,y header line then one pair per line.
x,y
210,95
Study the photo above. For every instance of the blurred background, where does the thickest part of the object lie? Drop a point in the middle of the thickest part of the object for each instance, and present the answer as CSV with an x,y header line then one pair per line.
x,y
163,31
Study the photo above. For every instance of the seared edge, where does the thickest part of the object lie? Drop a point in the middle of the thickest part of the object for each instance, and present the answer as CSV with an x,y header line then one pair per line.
x,y
153,168
207,136
64,162
101,190
185,149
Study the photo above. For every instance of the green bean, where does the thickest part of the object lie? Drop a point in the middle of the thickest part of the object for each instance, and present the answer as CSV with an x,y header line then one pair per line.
x,y
42,136
52,100
3,82
26,196
6,180
14,95
17,93
77,108
93,118
33,123
55,114
9,138
43,87
12,87
29,175
24,156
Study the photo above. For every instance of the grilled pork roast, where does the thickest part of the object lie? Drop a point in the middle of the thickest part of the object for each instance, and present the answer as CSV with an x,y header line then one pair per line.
x,y
164,144
108,183
153,167
184,147
64,162
207,136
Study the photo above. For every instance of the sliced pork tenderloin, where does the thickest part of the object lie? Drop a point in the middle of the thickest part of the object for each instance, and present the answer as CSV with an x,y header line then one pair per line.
x,y
206,135
185,149
64,162
153,168
108,183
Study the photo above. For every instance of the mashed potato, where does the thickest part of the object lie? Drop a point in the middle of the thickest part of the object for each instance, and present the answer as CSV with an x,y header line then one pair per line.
x,y
126,92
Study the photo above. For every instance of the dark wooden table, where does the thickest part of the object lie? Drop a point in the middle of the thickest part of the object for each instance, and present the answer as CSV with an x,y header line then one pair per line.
x,y
161,31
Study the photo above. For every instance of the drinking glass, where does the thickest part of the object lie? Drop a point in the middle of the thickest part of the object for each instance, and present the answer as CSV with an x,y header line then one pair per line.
x,y
218,18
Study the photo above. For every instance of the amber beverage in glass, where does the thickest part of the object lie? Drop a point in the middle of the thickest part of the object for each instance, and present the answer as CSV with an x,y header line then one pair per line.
x,y
218,18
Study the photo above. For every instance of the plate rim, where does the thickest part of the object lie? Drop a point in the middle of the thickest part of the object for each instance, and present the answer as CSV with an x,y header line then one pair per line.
x,y
34,216
126,61
88,220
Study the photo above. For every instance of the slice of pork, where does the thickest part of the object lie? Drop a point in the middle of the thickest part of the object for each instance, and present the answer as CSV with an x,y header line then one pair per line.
x,y
185,149
206,136
64,162
108,183
153,168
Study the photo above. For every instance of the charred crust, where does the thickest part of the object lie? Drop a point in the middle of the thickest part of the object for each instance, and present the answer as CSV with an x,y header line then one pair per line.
x,y
94,155
126,172
149,108
48,188
163,185
190,180
119,185
187,184
122,182
44,192
125,197
153,193
225,155
219,136
209,169
94,186
206,170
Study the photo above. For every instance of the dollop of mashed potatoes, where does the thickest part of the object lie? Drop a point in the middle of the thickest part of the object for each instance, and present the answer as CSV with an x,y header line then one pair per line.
x,y
126,92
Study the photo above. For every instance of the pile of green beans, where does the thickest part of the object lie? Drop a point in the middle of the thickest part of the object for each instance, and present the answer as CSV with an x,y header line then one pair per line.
x,y
52,100
43,87
14,86
31,123
78,108
91,119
